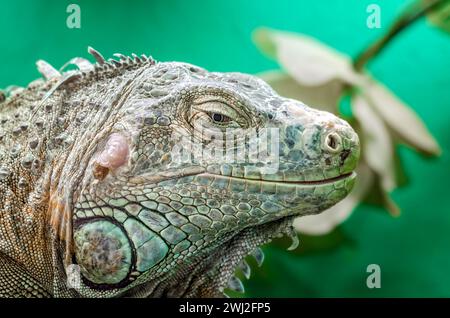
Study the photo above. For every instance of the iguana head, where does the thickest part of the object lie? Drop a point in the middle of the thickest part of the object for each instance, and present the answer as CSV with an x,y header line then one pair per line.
x,y
191,171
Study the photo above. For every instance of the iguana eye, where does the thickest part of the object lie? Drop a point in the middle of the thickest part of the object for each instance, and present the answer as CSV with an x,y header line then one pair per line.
x,y
215,112
219,118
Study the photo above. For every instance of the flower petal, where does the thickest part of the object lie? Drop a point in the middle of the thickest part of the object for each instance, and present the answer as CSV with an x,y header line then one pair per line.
x,y
400,118
377,145
307,60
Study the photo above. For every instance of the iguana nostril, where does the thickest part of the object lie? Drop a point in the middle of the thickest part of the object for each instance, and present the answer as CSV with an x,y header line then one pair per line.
x,y
332,142
344,155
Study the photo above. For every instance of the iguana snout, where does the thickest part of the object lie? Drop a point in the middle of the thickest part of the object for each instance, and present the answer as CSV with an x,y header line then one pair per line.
x,y
299,161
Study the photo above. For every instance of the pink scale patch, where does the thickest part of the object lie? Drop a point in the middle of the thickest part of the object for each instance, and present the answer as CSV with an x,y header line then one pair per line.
x,y
115,153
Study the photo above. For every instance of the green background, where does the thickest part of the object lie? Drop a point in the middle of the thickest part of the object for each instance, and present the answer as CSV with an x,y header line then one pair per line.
x,y
413,250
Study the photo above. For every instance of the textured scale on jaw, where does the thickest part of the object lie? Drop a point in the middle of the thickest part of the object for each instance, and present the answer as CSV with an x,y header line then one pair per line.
x,y
174,174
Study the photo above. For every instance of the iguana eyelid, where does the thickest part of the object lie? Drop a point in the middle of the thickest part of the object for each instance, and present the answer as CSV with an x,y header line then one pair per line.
x,y
217,107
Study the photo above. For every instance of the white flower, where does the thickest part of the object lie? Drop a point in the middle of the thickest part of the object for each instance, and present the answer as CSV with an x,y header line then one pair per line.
x,y
319,76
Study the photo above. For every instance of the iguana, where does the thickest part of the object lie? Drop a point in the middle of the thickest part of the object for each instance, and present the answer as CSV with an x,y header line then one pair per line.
x,y
124,171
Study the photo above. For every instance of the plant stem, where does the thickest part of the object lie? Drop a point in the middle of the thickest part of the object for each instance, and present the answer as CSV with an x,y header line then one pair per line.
x,y
406,19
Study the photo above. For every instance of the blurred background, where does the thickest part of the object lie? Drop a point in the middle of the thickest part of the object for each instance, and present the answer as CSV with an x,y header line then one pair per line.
x,y
413,248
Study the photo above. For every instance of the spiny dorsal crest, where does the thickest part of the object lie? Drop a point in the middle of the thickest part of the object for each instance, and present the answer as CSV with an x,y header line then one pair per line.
x,y
86,71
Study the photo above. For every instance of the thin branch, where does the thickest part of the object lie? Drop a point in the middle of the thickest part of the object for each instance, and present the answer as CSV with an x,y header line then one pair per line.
x,y
408,18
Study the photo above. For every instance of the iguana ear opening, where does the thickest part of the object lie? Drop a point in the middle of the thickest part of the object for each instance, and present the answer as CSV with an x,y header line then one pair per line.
x,y
114,155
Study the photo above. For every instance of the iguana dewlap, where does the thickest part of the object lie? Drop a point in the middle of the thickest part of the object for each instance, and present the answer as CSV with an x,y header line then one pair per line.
x,y
155,179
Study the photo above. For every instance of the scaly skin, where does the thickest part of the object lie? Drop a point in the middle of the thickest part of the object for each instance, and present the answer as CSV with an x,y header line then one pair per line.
x,y
118,168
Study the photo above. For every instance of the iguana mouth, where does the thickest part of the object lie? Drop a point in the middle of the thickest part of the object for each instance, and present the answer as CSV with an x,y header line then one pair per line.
x,y
351,174
323,181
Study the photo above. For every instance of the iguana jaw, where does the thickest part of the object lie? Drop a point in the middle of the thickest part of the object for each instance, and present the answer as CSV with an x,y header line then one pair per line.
x,y
211,273
247,242
231,254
